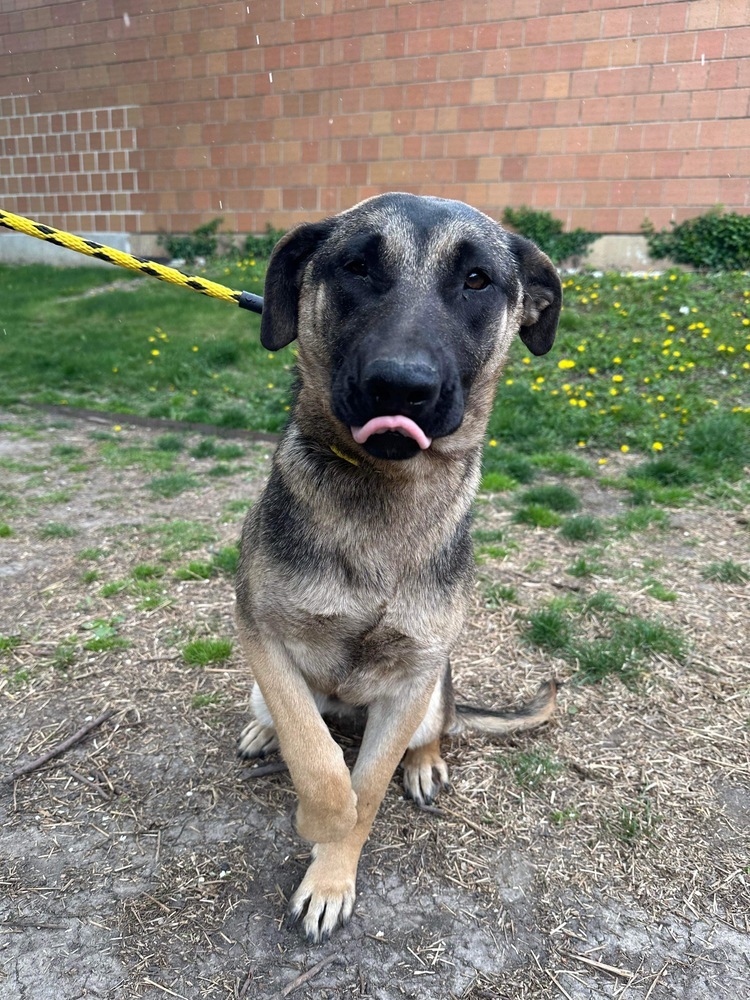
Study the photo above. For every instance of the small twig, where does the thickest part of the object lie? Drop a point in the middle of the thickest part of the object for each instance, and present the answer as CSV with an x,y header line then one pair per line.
x,y
470,823
61,748
164,989
622,973
259,772
246,985
433,810
307,976
89,782
658,976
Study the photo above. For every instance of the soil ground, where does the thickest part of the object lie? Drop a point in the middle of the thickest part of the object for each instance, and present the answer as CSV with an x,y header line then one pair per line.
x,y
148,862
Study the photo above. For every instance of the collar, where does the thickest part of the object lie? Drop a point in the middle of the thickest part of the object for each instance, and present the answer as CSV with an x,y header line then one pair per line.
x,y
341,454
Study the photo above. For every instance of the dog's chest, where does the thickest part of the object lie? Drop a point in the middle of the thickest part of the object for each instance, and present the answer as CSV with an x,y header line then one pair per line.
x,y
355,637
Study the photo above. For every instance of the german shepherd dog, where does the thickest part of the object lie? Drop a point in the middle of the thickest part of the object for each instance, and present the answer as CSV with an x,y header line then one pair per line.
x,y
356,562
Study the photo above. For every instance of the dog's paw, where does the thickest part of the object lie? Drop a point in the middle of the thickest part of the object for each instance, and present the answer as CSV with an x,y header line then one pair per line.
x,y
257,740
324,899
322,825
425,774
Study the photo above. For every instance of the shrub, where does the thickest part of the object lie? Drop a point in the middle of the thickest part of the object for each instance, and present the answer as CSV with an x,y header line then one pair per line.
x,y
202,242
717,241
547,232
262,246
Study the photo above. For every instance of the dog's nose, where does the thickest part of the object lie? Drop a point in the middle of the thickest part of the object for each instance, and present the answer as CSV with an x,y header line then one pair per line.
x,y
393,385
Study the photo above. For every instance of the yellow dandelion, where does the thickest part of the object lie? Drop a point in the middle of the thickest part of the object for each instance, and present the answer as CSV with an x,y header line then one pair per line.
x,y
624,448
492,443
657,446
155,353
566,363
194,348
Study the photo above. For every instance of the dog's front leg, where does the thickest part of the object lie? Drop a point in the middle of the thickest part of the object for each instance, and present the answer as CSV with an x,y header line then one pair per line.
x,y
327,809
325,897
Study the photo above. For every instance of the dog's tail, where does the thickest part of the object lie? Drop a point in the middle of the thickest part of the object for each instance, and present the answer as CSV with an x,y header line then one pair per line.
x,y
484,720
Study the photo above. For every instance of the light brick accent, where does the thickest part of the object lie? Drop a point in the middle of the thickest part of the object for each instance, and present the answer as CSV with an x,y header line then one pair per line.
x,y
78,165
602,111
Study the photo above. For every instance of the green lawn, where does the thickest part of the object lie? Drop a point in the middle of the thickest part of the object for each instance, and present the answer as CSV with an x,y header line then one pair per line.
x,y
656,365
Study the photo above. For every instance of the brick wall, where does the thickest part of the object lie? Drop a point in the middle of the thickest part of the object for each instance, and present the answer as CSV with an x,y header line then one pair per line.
x,y
135,116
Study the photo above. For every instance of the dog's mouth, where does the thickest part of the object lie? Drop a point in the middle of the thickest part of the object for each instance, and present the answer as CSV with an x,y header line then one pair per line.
x,y
391,426
391,437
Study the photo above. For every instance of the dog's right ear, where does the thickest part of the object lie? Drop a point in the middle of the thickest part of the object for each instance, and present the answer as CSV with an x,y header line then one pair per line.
x,y
279,320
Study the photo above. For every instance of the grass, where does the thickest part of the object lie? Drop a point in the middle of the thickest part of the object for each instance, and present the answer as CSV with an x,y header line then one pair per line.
x,y
201,652
621,646
172,485
557,498
727,571
104,635
180,536
582,528
654,366
532,768
537,515
53,529
496,594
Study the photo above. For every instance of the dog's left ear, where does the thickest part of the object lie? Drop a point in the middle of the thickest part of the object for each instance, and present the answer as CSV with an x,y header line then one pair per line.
x,y
279,320
542,295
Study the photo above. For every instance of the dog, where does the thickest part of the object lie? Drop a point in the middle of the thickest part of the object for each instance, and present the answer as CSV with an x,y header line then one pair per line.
x,y
356,563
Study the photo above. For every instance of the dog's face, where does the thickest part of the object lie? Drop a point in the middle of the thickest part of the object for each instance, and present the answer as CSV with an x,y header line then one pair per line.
x,y
407,306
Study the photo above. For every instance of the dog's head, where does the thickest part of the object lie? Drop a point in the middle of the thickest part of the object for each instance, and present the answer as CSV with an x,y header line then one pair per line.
x,y
405,307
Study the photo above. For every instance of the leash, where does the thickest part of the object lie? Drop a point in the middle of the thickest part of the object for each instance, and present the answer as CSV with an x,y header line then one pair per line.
x,y
245,300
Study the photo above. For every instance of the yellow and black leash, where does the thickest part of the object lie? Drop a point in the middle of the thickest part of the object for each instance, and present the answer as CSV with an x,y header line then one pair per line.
x,y
245,300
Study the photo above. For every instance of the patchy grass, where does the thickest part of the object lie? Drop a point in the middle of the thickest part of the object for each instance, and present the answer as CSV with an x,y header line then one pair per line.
x,y
583,528
180,536
531,768
727,571
557,498
173,485
537,515
621,645
496,594
54,529
201,652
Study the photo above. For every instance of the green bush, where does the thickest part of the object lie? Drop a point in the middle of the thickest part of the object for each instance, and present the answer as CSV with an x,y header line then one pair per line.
x,y
547,232
716,241
262,245
202,242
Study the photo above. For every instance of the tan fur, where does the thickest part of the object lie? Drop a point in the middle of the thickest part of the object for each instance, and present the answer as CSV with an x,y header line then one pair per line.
x,y
355,571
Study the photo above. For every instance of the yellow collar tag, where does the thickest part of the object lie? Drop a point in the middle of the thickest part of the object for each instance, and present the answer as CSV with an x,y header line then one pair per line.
x,y
340,454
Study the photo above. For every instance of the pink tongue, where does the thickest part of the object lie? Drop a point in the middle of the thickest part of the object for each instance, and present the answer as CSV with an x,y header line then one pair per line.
x,y
378,425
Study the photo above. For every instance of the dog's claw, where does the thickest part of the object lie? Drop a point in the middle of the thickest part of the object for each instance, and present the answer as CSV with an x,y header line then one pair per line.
x,y
425,776
318,911
256,741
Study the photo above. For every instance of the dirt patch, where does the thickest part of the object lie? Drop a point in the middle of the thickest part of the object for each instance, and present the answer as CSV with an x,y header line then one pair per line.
x,y
148,862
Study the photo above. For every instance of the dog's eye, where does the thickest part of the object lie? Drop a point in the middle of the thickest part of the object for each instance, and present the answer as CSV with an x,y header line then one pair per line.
x,y
476,280
357,266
